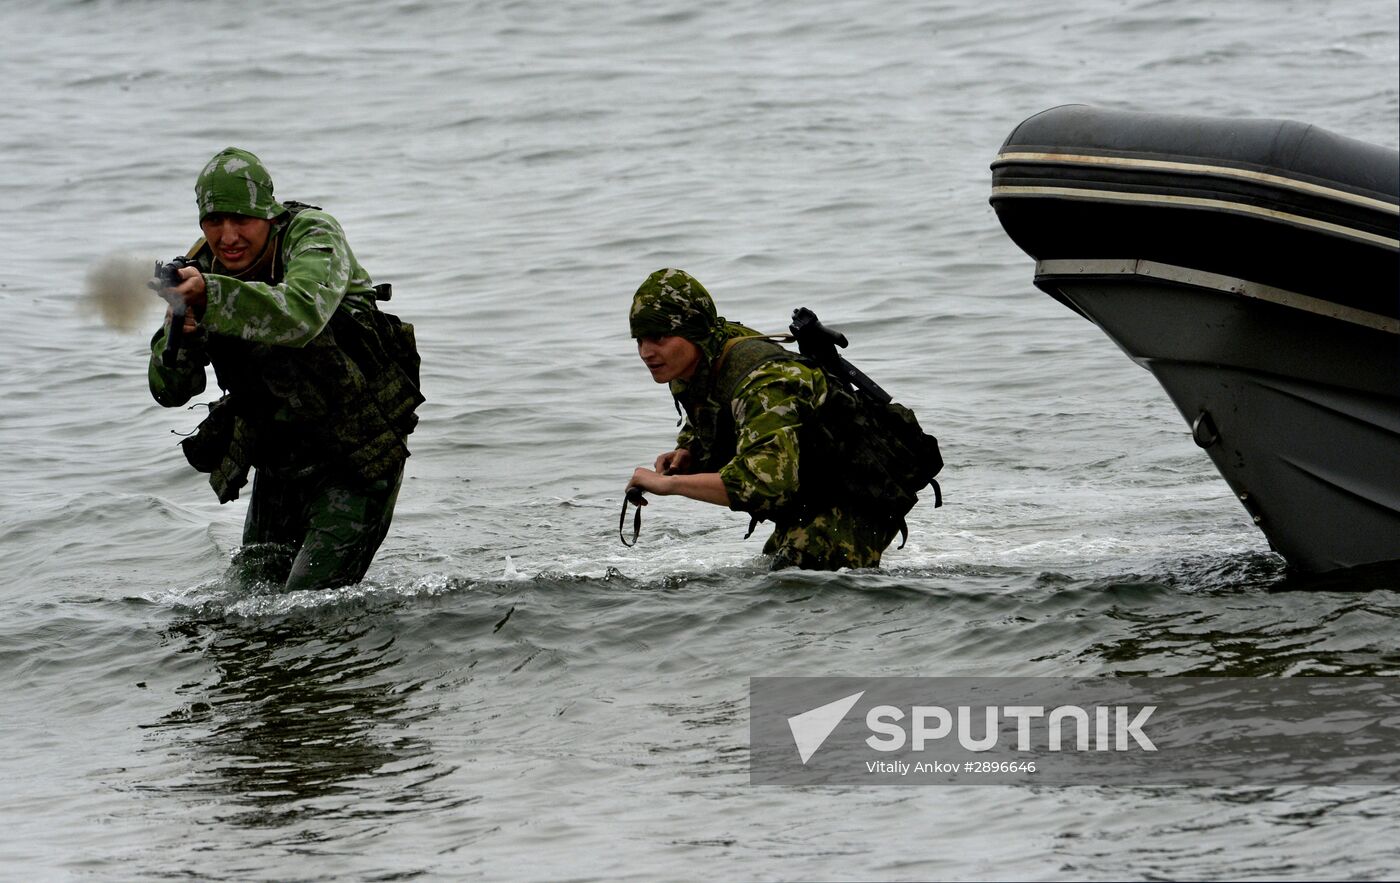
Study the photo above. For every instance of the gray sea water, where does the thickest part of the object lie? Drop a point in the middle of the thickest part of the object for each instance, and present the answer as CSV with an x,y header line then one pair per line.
x,y
511,694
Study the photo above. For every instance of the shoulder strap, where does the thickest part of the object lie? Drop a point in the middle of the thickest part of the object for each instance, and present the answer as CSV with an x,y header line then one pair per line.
x,y
741,355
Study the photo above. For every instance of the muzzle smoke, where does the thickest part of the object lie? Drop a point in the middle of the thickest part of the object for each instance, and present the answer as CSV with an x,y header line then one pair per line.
x,y
116,289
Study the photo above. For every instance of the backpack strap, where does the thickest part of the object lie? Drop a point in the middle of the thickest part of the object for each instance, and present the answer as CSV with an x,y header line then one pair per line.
x,y
740,356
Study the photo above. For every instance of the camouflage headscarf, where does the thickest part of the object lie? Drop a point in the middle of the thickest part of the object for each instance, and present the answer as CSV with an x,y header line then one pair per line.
x,y
674,303
236,181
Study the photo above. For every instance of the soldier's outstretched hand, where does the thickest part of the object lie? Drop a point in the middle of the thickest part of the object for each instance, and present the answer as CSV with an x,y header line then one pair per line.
x,y
648,481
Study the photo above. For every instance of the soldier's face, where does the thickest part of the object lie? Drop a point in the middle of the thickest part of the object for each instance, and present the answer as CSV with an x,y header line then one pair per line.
x,y
668,358
237,240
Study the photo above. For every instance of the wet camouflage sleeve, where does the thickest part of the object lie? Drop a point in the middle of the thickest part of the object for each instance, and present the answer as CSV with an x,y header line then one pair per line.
x,y
176,385
321,272
769,408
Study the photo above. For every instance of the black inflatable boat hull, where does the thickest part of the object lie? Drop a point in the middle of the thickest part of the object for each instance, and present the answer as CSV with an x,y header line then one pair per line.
x,y
1254,267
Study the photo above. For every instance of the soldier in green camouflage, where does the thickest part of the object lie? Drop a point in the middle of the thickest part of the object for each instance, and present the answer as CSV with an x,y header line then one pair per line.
x,y
746,403
321,386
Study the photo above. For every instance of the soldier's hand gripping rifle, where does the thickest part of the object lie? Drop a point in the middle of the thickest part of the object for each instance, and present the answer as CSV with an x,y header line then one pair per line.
x,y
164,282
819,343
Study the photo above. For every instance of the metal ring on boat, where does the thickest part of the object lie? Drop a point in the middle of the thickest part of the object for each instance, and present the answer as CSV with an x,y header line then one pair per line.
x,y
1203,431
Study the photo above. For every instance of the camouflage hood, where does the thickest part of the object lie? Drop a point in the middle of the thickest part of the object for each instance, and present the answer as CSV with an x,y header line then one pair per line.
x,y
236,181
674,303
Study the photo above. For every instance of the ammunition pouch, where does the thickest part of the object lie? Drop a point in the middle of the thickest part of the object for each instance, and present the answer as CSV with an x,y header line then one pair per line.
x,y
207,446
221,446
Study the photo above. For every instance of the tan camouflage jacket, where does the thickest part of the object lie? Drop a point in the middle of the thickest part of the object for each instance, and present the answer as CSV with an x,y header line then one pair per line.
x,y
768,409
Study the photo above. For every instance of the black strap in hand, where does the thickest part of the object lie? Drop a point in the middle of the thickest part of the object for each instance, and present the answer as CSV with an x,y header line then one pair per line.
x,y
634,496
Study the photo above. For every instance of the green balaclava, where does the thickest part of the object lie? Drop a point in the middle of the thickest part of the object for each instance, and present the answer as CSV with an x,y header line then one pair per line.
x,y
236,181
674,303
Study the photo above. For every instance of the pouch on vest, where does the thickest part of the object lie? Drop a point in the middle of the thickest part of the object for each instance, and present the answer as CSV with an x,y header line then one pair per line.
x,y
220,446
207,446
385,350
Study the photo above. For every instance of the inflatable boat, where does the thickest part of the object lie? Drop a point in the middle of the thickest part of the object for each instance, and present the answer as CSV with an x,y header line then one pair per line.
x,y
1253,266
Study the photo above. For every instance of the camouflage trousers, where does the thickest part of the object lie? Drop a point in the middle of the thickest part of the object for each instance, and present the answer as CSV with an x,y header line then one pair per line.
x,y
314,533
830,539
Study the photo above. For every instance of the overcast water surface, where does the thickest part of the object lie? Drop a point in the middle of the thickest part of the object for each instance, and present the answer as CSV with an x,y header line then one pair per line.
x,y
511,693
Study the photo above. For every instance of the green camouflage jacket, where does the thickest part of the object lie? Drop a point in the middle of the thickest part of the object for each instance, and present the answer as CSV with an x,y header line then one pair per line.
x,y
277,340
320,274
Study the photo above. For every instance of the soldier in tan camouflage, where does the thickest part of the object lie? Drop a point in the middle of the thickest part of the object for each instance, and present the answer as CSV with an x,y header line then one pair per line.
x,y
746,402
321,385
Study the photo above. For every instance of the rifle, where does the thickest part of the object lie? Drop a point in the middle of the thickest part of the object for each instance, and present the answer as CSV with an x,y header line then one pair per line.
x,y
163,282
819,343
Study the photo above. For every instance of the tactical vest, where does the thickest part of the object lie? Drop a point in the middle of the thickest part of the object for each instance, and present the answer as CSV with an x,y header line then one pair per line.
x,y
343,403
866,456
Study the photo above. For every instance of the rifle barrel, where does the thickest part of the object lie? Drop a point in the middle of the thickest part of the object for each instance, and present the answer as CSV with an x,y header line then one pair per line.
x,y
863,383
